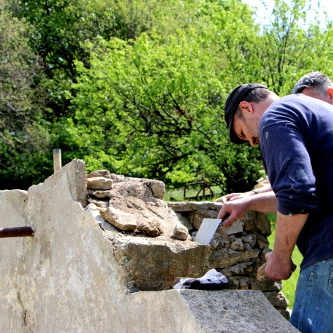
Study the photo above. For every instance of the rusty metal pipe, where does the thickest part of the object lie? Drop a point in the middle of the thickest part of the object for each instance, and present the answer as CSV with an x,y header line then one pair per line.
x,y
16,232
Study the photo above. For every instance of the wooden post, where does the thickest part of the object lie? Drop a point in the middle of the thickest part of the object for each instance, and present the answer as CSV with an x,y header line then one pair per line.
x,y
56,160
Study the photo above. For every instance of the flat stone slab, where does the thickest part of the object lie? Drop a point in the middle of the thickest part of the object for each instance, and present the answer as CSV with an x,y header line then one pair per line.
x,y
231,311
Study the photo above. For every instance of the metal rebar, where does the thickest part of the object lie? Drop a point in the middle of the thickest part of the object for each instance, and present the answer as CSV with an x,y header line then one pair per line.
x,y
16,232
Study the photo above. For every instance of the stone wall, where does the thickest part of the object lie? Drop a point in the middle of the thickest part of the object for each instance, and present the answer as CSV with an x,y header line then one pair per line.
x,y
105,260
238,251
136,207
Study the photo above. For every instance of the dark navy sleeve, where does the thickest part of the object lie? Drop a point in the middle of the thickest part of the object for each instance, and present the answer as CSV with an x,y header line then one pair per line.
x,y
287,161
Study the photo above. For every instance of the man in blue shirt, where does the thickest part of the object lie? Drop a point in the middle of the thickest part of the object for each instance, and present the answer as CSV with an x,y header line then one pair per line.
x,y
313,84
296,141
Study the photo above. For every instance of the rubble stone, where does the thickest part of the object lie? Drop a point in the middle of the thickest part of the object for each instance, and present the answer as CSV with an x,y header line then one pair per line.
x,y
180,232
150,228
236,251
99,183
121,220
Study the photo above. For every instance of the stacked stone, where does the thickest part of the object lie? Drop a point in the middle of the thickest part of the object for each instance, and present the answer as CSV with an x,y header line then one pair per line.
x,y
237,251
126,203
134,207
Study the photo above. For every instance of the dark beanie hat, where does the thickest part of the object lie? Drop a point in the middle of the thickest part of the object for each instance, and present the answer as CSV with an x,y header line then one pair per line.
x,y
231,106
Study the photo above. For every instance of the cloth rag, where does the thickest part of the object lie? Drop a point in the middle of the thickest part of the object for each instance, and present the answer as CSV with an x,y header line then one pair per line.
x,y
212,280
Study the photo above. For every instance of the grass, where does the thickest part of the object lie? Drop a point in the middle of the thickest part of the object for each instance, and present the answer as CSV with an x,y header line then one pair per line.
x,y
288,286
177,194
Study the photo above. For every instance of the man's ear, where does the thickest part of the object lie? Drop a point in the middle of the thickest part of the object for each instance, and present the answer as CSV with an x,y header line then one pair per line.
x,y
330,91
246,107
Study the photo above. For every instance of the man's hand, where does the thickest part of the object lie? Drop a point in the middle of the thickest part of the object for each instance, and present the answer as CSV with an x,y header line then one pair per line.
x,y
232,210
233,196
278,269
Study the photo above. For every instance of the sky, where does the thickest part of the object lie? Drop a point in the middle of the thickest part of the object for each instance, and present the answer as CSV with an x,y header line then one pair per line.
x,y
320,5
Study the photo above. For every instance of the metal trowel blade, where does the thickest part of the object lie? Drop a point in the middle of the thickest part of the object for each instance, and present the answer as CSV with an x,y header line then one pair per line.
x,y
207,230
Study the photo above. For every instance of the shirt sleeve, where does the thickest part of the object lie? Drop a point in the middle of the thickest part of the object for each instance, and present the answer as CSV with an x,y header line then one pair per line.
x,y
288,165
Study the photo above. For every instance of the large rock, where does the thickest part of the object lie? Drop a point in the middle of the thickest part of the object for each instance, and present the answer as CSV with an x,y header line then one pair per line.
x,y
155,265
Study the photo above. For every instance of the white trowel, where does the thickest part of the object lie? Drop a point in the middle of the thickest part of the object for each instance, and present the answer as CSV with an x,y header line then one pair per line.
x,y
207,230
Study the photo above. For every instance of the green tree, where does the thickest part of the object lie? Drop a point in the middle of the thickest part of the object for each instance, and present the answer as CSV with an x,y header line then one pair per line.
x,y
156,105
290,45
63,26
138,86
21,131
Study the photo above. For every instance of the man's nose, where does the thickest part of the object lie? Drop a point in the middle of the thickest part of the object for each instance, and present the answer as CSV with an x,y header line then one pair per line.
x,y
253,142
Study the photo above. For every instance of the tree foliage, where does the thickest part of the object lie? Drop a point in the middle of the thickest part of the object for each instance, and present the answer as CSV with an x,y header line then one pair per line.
x,y
21,100
138,86
292,45
166,93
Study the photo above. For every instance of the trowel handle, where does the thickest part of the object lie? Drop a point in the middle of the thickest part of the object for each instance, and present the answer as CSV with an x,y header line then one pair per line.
x,y
224,218
261,276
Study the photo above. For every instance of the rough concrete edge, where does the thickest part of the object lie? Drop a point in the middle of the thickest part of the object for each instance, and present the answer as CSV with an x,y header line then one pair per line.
x,y
79,187
161,311
221,311
76,175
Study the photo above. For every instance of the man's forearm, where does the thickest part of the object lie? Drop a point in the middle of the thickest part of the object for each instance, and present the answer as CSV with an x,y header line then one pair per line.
x,y
235,209
264,202
287,231
279,265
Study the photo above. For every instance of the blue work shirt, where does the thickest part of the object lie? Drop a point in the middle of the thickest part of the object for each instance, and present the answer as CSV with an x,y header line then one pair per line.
x,y
296,143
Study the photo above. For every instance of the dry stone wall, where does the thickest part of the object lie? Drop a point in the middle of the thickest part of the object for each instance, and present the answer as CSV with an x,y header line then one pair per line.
x,y
153,239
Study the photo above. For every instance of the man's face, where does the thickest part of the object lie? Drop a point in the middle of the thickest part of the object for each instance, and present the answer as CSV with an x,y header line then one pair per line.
x,y
315,94
247,128
247,125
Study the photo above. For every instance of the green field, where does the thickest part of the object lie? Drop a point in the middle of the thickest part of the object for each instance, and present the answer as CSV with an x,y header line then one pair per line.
x,y
178,194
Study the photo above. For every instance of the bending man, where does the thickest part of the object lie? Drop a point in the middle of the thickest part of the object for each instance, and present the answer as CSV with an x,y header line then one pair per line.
x,y
313,84
296,142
